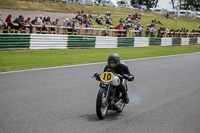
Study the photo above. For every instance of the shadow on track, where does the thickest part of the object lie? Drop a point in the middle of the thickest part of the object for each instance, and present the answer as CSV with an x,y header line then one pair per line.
x,y
111,116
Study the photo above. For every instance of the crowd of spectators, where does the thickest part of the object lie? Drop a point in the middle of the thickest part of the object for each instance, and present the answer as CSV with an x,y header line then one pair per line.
x,y
82,19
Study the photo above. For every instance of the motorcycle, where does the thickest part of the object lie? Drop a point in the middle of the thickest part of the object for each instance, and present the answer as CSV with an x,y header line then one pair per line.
x,y
109,97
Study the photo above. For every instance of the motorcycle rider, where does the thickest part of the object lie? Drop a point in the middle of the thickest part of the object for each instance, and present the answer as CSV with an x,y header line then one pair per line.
x,y
118,67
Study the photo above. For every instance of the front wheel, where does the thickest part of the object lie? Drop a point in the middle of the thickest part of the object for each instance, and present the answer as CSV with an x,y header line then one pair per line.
x,y
101,104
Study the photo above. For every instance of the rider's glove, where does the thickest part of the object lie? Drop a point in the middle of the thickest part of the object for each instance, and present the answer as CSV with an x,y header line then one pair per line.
x,y
97,76
127,77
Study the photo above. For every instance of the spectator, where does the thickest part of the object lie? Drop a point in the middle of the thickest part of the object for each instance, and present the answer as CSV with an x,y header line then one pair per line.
x,y
44,20
8,19
28,22
128,19
55,22
147,32
39,21
111,27
108,21
48,21
119,27
108,13
9,23
135,27
148,25
152,31
34,21
87,24
90,16
73,23
141,31
79,24
121,20
66,22
0,20
19,22
159,31
105,33
99,20
167,29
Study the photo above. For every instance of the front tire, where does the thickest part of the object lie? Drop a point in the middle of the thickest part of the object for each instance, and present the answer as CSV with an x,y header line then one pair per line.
x,y
101,104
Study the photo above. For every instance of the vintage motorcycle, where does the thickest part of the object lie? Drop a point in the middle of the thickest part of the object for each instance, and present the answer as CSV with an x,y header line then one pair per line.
x,y
109,97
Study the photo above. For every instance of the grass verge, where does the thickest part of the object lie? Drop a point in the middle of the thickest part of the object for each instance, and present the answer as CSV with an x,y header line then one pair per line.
x,y
27,59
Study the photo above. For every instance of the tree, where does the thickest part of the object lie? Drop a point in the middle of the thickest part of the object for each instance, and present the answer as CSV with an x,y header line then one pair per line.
x,y
151,3
196,5
148,3
173,3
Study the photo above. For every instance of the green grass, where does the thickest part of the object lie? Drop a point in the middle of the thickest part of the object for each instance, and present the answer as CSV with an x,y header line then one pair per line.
x,y
27,59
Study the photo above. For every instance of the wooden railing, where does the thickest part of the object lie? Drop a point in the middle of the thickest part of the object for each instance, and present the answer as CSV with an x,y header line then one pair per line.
x,y
49,29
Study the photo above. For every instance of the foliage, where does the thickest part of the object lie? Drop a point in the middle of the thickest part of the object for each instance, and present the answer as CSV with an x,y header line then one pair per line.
x,y
148,3
188,4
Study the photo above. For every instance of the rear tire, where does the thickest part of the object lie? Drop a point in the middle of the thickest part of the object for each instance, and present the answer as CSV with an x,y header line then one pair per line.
x,y
101,105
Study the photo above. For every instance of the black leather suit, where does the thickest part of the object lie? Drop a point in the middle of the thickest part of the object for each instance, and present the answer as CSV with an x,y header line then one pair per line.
x,y
121,69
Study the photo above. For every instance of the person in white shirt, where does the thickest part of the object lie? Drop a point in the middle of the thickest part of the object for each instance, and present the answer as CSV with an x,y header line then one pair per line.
x,y
39,21
140,31
152,31
167,29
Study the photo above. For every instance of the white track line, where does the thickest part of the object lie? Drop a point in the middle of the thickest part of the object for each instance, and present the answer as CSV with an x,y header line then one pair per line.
x,y
89,64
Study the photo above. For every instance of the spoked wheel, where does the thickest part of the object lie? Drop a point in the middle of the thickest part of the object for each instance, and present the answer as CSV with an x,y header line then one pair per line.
x,y
101,104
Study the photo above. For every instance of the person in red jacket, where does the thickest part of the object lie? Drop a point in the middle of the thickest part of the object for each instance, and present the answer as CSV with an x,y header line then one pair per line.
x,y
9,23
119,27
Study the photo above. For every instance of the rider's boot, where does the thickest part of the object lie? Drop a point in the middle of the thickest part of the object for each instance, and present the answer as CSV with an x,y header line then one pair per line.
x,y
126,99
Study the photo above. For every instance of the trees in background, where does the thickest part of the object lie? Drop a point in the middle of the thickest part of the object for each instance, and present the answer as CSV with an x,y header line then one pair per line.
x,y
186,4
148,3
181,4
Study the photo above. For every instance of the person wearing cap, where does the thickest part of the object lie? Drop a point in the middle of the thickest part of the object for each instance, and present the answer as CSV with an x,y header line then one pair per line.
x,y
73,23
66,22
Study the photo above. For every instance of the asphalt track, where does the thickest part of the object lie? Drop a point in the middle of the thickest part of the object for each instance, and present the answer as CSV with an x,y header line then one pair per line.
x,y
164,98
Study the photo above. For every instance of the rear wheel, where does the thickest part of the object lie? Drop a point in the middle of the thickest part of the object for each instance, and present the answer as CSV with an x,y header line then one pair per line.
x,y
101,104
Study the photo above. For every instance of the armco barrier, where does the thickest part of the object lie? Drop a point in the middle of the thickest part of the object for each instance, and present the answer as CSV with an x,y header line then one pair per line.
x,y
193,40
141,41
125,41
154,41
176,41
166,41
81,41
198,40
14,41
48,41
106,42
55,41
185,41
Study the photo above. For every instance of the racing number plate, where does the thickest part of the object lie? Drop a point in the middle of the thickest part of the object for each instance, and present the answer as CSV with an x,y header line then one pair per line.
x,y
107,76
